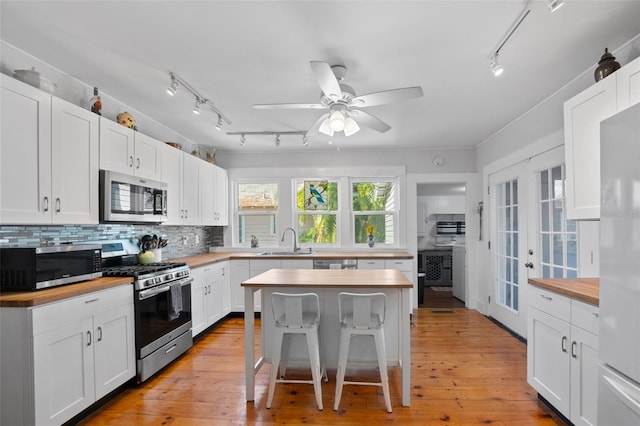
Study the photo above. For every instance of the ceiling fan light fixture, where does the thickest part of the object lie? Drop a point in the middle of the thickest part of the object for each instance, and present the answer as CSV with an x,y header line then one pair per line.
x,y
337,121
350,127
555,5
495,66
326,128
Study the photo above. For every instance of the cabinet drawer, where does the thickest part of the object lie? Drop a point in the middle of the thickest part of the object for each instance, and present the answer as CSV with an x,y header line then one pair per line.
x,y
297,264
399,264
259,266
240,263
370,263
585,316
551,303
54,315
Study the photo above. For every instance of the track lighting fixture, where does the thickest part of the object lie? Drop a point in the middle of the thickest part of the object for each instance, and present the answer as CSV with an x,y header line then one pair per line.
x,y
173,88
276,135
305,141
494,65
277,140
555,5
201,101
243,140
196,108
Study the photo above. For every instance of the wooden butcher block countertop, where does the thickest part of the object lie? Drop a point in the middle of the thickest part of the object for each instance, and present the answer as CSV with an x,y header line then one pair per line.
x,y
584,289
25,299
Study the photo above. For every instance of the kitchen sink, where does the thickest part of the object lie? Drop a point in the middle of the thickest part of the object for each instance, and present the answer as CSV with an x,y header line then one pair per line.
x,y
286,253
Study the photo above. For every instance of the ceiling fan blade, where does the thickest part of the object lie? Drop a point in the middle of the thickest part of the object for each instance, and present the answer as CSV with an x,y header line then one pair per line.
x,y
368,120
326,79
387,96
289,106
314,129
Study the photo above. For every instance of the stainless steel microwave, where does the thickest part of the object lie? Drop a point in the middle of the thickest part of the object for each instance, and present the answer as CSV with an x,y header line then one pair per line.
x,y
125,198
34,268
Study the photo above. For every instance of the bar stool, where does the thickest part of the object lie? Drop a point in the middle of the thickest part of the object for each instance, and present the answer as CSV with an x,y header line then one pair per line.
x,y
296,314
362,314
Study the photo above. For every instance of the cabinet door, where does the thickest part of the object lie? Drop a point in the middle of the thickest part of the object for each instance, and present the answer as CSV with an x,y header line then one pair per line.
x,y
190,190
207,194
172,176
75,149
548,358
225,283
116,147
148,157
582,116
63,372
459,273
584,377
215,295
239,274
115,361
221,196
199,299
628,84
25,153
422,219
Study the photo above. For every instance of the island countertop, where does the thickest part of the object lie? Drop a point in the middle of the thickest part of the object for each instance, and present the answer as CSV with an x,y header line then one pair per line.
x,y
330,278
583,289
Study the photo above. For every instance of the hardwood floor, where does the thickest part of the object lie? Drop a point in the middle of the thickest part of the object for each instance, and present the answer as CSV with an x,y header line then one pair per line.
x,y
465,371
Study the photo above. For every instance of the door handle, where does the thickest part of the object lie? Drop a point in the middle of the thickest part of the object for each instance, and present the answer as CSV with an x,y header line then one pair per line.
x,y
574,344
528,265
88,338
99,334
564,341
57,205
137,163
131,161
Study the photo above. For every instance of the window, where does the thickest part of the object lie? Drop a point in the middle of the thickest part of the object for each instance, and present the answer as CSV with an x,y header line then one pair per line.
x,y
558,236
317,211
257,211
374,207
507,227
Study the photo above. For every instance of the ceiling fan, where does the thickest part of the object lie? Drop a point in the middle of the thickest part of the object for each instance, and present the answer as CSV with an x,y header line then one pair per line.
x,y
343,104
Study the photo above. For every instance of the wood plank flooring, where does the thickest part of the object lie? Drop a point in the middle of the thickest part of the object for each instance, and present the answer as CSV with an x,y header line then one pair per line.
x,y
465,371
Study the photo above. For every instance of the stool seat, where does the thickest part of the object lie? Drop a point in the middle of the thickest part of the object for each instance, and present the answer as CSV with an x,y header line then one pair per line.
x,y
362,314
296,314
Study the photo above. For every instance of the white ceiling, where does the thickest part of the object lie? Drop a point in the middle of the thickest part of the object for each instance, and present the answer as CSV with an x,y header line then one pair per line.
x,y
240,53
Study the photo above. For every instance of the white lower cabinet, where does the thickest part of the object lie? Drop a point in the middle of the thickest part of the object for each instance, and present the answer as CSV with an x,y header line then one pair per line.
x,y
59,358
562,353
210,295
239,274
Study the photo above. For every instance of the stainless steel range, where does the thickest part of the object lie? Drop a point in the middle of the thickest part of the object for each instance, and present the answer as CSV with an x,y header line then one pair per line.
x,y
162,306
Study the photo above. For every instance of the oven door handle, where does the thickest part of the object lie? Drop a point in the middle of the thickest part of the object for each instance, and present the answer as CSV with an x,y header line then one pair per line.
x,y
145,294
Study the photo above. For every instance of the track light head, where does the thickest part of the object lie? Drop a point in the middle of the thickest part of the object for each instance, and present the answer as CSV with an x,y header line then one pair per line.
x,y
196,107
495,66
243,140
219,123
305,141
555,5
277,140
173,88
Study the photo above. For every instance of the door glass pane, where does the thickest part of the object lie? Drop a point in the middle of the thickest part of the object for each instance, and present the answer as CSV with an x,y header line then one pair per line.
x,y
558,216
507,219
515,192
558,250
544,216
515,298
544,185
558,182
545,248
507,249
515,245
572,251
507,194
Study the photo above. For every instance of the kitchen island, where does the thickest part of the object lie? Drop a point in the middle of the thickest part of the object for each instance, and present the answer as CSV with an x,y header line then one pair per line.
x,y
327,283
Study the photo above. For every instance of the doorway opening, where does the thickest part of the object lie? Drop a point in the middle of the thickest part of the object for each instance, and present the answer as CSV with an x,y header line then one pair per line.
x,y
441,242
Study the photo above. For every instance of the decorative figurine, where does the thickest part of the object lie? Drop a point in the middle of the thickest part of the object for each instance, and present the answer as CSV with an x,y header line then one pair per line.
x,y
127,120
95,103
607,65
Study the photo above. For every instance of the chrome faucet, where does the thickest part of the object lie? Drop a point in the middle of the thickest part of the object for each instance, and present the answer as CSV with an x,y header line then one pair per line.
x,y
295,239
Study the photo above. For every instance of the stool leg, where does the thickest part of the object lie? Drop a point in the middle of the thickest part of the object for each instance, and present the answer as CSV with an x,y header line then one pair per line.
x,y
314,360
382,365
345,339
275,363
284,354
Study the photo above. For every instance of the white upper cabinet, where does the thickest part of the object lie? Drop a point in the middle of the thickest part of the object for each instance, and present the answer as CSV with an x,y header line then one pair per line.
x,y
220,196
49,161
127,151
181,173
582,116
206,173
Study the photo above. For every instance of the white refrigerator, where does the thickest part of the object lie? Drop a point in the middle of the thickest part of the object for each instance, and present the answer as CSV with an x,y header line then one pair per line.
x,y
619,375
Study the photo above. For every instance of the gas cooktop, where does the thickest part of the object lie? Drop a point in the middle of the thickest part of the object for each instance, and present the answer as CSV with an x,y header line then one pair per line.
x,y
139,269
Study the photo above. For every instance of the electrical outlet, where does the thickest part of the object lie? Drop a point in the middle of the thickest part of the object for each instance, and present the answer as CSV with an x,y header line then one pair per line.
x,y
185,240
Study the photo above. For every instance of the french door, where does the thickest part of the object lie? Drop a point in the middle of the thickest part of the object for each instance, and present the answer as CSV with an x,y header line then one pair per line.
x,y
530,236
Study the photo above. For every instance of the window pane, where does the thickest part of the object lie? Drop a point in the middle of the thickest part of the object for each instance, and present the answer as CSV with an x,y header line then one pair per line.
x,y
546,272
382,228
508,296
558,183
317,228
257,197
572,273
373,196
515,270
572,251
544,217
571,225
515,192
507,193
507,219
557,250
320,195
546,248
260,225
557,272
544,185
557,216
515,244
515,298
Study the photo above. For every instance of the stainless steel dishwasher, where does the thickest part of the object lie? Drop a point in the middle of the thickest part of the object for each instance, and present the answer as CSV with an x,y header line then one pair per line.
x,y
335,264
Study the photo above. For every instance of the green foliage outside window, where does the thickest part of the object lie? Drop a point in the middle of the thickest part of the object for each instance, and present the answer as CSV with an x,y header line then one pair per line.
x,y
373,197
318,227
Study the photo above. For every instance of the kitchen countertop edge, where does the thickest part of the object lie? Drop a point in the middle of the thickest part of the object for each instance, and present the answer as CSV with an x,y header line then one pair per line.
x,y
583,289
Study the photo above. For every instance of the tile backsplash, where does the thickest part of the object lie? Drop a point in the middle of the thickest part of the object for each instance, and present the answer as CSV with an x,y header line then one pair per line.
x,y
198,238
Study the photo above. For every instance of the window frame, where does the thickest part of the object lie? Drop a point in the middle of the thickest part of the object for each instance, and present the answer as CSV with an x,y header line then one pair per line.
x,y
395,213
295,214
237,214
